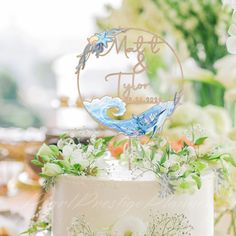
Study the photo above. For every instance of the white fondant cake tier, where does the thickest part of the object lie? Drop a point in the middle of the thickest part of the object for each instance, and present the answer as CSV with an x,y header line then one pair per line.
x,y
93,206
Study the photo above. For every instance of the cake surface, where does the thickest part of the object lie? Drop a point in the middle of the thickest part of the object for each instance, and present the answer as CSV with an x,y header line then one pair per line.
x,y
93,206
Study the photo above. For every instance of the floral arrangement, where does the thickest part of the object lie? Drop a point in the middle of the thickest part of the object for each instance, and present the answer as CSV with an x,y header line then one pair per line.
x,y
160,224
71,157
178,166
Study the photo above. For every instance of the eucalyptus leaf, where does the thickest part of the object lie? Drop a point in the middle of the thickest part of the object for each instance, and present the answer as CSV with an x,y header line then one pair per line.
x,y
230,159
200,141
99,154
163,158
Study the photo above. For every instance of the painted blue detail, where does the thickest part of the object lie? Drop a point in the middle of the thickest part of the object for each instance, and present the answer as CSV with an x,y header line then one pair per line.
x,y
150,120
103,39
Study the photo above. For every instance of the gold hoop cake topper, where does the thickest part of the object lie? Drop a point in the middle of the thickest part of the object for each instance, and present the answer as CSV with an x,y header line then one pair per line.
x,y
130,45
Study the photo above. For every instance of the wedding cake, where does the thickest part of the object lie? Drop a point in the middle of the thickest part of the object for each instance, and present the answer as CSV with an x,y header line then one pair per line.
x,y
155,187
93,206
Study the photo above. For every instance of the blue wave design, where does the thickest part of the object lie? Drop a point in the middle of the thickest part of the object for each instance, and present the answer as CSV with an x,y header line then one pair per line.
x,y
150,120
99,108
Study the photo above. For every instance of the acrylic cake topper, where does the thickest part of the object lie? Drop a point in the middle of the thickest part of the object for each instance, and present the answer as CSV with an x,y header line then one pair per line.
x,y
131,45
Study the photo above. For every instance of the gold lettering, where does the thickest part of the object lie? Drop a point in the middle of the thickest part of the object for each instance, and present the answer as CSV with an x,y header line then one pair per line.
x,y
127,89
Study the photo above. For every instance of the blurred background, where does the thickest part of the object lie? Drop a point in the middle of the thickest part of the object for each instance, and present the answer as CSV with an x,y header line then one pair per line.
x,y
36,40
39,42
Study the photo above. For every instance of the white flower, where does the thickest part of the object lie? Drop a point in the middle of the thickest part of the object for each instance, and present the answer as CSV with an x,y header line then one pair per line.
x,y
231,41
189,114
67,151
220,117
129,226
231,3
226,71
79,157
231,44
45,151
51,169
75,155
90,148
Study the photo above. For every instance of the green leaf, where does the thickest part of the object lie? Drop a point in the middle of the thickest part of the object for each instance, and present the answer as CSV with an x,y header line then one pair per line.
x,y
98,142
77,166
119,143
187,172
63,163
153,152
45,158
211,157
174,167
63,136
200,141
163,158
230,159
168,150
199,166
54,149
99,154
197,180
209,79
107,139
43,175
36,227
185,185
37,163
183,152
143,153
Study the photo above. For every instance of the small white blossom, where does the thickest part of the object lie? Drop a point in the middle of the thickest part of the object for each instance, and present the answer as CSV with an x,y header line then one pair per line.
x,y
192,152
90,149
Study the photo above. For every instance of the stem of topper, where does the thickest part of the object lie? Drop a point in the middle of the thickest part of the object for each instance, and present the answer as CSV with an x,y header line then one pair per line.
x,y
130,154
